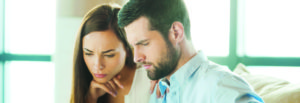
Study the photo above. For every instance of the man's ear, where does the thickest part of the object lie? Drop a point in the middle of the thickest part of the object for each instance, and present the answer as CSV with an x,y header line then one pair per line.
x,y
177,32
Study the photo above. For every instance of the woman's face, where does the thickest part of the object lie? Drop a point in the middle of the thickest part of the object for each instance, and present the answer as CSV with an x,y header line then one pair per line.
x,y
104,54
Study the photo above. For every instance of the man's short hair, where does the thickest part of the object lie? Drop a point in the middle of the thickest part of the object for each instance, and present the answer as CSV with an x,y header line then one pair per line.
x,y
161,14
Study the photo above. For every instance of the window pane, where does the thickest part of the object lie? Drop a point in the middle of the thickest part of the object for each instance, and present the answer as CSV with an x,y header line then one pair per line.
x,y
210,25
30,26
1,26
29,82
271,28
286,73
1,81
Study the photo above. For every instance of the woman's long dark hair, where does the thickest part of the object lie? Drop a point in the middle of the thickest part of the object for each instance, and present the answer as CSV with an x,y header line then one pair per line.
x,y
100,18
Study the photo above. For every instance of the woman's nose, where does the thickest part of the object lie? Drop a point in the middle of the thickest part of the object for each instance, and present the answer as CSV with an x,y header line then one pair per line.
x,y
98,64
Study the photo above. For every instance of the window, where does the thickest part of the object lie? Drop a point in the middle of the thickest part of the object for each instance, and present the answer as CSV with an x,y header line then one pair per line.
x,y
271,28
210,25
268,32
28,81
29,26
1,82
255,32
27,42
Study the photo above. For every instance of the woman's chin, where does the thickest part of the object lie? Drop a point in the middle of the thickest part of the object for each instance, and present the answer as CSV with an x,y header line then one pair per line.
x,y
101,80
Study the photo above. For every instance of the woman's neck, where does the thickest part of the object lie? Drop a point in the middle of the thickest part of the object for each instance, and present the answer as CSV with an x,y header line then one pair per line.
x,y
127,76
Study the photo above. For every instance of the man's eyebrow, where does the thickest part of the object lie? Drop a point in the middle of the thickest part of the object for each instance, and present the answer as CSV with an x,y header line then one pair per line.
x,y
141,42
103,52
87,50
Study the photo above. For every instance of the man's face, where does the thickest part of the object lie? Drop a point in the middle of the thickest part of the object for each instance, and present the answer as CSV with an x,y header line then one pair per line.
x,y
157,55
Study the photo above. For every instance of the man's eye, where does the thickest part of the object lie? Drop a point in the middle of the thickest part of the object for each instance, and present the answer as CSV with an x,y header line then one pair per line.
x,y
145,44
110,56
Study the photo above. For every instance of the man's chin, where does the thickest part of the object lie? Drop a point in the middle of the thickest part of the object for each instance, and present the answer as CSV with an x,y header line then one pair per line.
x,y
151,75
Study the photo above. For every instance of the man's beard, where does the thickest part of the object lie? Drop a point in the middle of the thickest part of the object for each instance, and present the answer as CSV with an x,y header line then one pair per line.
x,y
167,63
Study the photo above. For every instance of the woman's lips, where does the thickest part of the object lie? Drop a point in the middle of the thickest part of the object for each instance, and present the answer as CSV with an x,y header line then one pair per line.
x,y
100,75
147,66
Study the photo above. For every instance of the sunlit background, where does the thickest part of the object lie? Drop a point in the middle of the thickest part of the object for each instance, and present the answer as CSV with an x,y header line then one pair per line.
x,y
37,40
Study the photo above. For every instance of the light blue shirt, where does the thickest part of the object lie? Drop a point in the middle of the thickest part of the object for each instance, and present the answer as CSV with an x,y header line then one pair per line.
x,y
202,81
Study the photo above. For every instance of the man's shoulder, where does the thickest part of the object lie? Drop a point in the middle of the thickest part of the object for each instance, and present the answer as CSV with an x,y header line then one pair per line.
x,y
212,74
225,77
213,70
214,67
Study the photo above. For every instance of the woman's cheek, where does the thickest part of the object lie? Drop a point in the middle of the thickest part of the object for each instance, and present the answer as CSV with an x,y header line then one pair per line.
x,y
117,64
88,64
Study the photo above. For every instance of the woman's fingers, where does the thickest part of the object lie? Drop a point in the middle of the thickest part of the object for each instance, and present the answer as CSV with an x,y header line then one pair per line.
x,y
152,85
113,92
168,90
104,87
117,81
113,86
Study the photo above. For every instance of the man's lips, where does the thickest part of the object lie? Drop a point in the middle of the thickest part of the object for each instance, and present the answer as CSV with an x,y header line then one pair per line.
x,y
147,66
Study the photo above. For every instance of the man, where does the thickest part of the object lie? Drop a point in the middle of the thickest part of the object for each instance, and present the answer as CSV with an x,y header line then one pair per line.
x,y
159,31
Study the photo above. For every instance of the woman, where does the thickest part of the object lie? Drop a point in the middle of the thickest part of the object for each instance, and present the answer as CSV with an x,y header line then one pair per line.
x,y
104,70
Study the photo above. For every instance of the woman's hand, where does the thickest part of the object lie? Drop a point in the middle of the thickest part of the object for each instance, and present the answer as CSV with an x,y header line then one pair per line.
x,y
97,90
152,87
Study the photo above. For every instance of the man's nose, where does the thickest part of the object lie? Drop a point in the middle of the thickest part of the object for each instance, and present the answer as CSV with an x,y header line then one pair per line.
x,y
138,56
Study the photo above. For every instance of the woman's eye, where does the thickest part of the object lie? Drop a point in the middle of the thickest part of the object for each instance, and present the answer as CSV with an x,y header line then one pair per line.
x,y
88,54
110,56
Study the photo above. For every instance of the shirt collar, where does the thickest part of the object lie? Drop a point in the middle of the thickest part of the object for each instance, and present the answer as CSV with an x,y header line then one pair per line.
x,y
184,72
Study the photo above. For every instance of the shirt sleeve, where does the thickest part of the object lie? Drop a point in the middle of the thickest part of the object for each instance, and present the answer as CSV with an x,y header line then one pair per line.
x,y
234,89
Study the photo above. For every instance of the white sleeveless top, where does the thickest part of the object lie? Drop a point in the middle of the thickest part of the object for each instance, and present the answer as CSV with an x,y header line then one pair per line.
x,y
139,92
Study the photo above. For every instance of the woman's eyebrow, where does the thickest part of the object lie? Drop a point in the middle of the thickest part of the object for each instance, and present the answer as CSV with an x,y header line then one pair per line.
x,y
110,50
87,50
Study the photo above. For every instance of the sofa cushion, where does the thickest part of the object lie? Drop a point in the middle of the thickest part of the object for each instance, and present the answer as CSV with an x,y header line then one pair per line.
x,y
271,89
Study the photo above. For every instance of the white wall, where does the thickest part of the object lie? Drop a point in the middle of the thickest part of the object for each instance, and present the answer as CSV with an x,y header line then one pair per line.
x,y
67,25
66,31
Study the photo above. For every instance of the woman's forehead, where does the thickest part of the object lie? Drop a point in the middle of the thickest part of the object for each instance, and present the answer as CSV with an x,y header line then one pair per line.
x,y
101,40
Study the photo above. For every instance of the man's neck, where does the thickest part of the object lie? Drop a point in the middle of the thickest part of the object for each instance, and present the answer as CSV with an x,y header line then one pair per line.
x,y
187,53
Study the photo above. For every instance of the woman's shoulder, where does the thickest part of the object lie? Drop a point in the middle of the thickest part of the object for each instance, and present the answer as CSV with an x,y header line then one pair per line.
x,y
141,78
139,88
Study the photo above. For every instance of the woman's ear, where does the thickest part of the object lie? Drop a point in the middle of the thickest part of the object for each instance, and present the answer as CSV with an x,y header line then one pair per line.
x,y
177,32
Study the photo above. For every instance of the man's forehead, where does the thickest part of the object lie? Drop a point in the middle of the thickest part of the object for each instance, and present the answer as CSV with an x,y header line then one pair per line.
x,y
130,35
134,39
137,30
